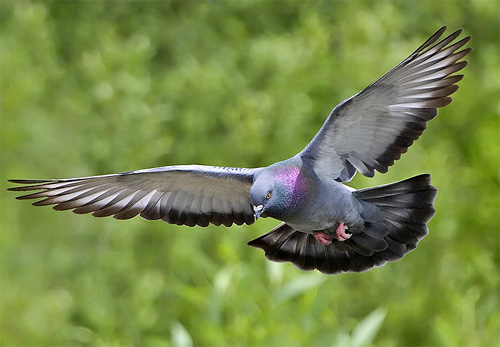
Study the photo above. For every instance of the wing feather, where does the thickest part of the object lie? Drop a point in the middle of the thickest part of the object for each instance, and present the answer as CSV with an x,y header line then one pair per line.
x,y
185,195
371,130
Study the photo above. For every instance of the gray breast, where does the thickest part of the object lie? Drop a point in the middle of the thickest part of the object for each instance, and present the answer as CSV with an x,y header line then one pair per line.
x,y
329,204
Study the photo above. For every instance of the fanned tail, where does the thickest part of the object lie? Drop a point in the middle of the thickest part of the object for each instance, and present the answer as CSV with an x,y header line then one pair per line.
x,y
407,206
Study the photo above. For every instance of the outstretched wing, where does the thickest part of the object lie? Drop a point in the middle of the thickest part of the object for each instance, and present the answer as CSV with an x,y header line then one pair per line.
x,y
372,129
184,195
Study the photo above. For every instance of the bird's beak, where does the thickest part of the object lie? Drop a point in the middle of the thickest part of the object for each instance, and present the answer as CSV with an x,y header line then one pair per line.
x,y
257,210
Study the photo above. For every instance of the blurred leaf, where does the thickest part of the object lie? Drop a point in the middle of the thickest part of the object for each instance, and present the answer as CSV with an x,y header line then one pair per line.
x,y
222,282
274,272
299,285
367,329
180,336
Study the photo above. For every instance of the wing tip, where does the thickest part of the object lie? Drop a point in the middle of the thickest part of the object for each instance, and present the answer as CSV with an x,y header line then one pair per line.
x,y
29,181
456,32
41,203
28,184
257,243
442,30
466,39
26,196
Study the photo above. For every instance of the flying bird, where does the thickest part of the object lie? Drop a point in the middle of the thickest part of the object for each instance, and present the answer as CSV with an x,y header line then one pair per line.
x,y
325,225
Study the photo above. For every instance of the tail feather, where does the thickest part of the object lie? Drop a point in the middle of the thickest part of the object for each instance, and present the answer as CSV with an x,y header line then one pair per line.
x,y
407,206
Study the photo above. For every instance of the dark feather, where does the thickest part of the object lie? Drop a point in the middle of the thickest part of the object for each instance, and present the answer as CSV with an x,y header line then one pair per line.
x,y
407,206
371,130
189,195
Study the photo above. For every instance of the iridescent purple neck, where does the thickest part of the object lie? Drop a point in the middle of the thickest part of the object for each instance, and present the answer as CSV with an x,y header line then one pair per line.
x,y
295,183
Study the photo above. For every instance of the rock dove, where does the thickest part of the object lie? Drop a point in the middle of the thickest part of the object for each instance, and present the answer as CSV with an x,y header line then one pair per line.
x,y
325,224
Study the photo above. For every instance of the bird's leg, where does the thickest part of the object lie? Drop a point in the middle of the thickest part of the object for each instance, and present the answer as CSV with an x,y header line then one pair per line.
x,y
341,234
322,237
326,237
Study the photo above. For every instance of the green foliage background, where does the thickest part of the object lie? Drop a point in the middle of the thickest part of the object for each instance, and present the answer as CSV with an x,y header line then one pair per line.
x,y
100,87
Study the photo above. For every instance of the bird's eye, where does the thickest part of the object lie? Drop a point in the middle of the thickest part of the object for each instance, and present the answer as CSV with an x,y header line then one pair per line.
x,y
268,196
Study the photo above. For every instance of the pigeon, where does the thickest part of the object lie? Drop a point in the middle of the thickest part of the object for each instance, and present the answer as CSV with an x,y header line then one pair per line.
x,y
325,224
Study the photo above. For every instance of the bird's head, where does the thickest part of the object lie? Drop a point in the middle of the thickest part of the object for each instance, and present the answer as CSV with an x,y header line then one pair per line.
x,y
277,191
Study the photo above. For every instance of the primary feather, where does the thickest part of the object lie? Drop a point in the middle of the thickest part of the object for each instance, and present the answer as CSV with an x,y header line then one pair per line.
x,y
372,129
184,195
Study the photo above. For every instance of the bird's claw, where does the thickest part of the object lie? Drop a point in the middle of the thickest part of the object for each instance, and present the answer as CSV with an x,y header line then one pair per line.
x,y
327,238
322,237
341,232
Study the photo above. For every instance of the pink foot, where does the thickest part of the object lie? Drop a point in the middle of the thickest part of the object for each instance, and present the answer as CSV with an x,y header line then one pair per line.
x,y
341,234
322,237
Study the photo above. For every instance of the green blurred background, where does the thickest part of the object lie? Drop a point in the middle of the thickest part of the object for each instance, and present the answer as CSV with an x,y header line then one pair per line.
x,y
100,87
